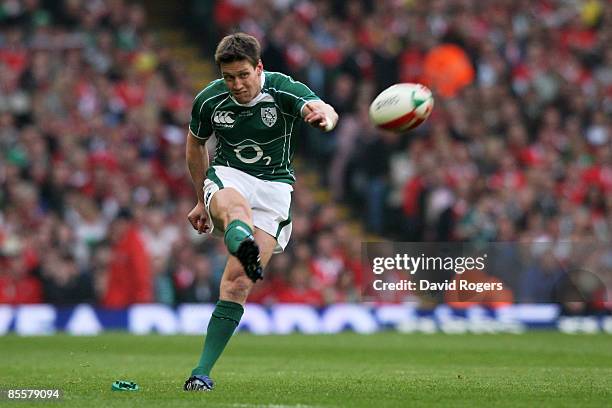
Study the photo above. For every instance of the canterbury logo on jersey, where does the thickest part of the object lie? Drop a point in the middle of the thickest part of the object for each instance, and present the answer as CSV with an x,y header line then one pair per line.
x,y
224,118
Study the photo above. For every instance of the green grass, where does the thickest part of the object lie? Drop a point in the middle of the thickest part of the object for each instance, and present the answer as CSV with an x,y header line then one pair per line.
x,y
387,369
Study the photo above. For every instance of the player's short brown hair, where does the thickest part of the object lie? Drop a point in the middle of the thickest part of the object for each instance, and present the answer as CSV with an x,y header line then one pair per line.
x,y
238,47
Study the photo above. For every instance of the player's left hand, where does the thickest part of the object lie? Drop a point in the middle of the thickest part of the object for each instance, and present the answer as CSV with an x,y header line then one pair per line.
x,y
320,115
316,119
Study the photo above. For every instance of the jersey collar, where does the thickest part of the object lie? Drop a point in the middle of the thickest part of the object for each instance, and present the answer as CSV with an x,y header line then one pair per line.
x,y
256,99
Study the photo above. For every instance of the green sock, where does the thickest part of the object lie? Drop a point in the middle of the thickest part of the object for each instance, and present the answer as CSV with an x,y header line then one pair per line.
x,y
224,320
236,232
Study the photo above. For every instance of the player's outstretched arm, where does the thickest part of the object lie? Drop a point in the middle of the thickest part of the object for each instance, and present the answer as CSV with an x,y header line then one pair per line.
x,y
320,115
196,155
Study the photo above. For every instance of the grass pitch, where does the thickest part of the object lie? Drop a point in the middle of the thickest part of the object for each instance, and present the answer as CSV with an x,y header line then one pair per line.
x,y
386,369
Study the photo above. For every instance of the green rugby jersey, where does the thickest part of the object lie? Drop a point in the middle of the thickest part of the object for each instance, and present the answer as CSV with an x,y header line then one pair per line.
x,y
259,137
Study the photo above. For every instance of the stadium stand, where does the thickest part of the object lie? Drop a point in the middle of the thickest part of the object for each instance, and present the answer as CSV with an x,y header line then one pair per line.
x,y
93,113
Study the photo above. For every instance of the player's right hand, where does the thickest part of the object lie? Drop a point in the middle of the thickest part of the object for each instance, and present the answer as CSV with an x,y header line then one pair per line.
x,y
198,217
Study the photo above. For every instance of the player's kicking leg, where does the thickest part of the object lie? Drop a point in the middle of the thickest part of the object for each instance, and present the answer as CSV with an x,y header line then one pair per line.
x,y
250,249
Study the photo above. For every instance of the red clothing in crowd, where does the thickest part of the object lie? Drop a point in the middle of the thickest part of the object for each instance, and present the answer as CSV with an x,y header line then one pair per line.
x,y
129,273
17,285
22,290
300,295
599,176
411,192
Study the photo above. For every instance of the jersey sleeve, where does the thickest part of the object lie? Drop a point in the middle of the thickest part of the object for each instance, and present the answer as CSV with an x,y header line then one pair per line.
x,y
199,125
293,95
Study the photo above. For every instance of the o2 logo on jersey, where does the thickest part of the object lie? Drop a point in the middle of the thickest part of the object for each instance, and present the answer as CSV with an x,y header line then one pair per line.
x,y
224,119
250,160
269,116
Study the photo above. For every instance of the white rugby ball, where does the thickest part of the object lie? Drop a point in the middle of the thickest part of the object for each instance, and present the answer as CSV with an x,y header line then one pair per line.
x,y
402,107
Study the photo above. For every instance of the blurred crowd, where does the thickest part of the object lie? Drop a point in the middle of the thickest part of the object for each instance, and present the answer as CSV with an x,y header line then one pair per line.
x,y
519,146
94,190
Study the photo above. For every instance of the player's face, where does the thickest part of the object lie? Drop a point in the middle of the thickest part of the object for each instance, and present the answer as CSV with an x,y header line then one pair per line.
x,y
243,79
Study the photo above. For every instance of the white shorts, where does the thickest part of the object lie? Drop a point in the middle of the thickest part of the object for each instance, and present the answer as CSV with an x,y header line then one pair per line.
x,y
270,201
